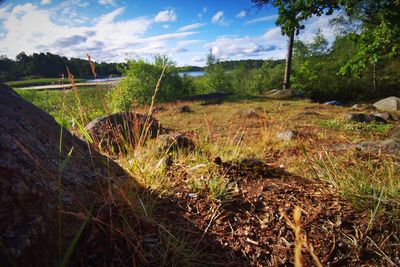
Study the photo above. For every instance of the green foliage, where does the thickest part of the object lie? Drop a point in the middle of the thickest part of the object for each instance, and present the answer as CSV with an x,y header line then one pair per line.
x,y
140,80
356,126
217,79
266,78
292,14
219,189
240,78
380,36
316,70
64,107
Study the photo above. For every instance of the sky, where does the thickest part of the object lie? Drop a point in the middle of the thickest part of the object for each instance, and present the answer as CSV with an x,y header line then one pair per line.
x,y
117,30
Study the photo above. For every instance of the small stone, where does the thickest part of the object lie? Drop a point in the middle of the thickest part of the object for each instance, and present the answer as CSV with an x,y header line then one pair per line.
x,y
286,136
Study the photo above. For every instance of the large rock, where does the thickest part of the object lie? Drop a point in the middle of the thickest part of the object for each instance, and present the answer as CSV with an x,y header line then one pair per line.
x,y
388,104
120,132
35,189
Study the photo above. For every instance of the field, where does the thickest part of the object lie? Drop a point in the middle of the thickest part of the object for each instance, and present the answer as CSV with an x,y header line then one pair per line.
x,y
231,199
38,81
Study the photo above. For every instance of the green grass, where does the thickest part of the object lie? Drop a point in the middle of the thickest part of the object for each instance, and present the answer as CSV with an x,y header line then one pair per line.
x,y
38,82
356,126
93,101
365,182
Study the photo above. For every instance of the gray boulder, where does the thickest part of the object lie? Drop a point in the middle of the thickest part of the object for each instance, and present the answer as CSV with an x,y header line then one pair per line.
x,y
365,118
119,132
35,188
391,103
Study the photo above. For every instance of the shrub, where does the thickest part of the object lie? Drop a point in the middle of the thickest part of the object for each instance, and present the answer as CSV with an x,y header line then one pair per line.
x,y
139,82
266,78
217,79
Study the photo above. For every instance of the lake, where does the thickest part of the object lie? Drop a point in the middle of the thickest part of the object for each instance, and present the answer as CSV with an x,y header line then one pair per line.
x,y
114,79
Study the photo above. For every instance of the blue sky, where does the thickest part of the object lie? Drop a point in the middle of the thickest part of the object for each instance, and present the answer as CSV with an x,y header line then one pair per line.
x,y
115,30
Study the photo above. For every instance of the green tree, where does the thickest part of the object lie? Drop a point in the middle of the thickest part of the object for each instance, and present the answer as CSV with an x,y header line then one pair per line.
x,y
292,14
217,79
380,36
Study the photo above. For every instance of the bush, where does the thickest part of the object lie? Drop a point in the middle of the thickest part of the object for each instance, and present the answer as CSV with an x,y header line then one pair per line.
x,y
267,77
140,80
217,79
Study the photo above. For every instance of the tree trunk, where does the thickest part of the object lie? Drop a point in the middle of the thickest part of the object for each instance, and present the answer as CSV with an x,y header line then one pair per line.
x,y
375,78
288,68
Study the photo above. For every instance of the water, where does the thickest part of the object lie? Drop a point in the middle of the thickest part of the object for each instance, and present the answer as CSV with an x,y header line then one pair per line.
x,y
114,79
110,79
192,73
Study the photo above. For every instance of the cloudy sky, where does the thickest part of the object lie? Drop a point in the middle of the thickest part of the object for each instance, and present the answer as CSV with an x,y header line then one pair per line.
x,y
115,30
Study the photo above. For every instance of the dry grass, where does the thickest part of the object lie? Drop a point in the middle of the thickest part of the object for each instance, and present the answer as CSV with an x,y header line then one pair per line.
x,y
225,131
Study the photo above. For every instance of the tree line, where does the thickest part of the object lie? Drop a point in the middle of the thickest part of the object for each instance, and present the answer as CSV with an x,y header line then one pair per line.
x,y
48,65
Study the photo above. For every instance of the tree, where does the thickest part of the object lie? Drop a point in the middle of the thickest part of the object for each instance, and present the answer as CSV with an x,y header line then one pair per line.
x,y
139,82
380,36
292,14
217,79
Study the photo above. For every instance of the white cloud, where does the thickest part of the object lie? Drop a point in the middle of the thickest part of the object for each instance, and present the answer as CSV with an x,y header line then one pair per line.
x,y
244,47
242,14
218,18
166,16
262,19
109,38
106,2
191,27
45,2
189,42
166,26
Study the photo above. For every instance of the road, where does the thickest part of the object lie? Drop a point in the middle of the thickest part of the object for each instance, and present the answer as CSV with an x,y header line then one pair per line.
x,y
65,86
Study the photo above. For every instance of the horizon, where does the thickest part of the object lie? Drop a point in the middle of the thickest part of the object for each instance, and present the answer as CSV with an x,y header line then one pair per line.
x,y
115,30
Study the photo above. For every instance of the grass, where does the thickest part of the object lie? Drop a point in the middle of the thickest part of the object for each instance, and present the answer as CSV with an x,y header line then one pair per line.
x,y
38,81
233,137
356,126
369,183
366,182
93,100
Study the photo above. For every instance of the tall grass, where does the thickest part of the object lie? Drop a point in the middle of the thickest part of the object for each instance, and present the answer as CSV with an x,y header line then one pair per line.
x,y
364,181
